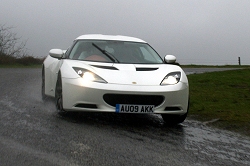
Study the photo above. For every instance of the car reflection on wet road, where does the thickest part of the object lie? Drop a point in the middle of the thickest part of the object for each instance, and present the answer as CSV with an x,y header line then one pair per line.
x,y
31,133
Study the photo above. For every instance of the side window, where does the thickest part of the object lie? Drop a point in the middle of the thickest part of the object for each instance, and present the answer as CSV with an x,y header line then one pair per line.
x,y
66,53
73,52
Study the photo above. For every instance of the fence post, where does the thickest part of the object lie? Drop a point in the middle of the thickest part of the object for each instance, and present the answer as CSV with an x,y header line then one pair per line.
x,y
239,60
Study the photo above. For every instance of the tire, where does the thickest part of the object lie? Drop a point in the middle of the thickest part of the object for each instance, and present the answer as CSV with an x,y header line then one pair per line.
x,y
44,97
59,96
173,119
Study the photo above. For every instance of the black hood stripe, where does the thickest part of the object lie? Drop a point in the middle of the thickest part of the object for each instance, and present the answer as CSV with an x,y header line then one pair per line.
x,y
146,69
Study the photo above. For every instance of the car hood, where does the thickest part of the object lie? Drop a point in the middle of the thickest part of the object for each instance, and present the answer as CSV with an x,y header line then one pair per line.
x,y
128,74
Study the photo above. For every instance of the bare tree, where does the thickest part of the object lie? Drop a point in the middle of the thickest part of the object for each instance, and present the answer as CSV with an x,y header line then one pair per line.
x,y
10,44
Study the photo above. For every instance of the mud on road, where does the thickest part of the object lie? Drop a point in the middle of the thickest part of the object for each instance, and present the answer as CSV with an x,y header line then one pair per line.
x,y
31,133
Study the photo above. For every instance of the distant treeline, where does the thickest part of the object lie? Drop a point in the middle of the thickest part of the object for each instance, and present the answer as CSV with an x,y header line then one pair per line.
x,y
25,60
13,51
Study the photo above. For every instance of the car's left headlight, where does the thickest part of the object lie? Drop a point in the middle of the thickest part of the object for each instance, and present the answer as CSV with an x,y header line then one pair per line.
x,y
88,76
171,78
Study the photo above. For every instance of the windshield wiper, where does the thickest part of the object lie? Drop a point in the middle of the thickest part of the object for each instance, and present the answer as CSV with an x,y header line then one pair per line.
x,y
108,54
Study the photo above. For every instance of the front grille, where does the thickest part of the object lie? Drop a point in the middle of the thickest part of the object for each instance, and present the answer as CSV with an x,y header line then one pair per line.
x,y
113,99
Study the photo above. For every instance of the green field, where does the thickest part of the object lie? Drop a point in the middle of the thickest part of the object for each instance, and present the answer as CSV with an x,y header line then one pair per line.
x,y
222,98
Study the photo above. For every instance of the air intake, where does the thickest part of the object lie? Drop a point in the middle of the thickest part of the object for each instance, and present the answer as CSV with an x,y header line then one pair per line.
x,y
172,109
105,67
82,105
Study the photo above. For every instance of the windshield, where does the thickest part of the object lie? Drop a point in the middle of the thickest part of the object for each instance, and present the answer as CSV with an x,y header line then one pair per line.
x,y
114,51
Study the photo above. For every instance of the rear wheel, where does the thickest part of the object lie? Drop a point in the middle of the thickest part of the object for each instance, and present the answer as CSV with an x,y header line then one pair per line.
x,y
59,96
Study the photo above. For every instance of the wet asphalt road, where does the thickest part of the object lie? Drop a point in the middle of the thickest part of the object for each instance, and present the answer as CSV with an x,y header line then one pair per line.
x,y
31,133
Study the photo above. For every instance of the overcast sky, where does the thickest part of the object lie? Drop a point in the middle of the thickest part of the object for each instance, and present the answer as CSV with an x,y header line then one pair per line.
x,y
214,32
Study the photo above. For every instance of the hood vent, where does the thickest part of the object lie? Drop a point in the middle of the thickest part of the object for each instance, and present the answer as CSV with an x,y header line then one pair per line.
x,y
83,105
145,69
105,67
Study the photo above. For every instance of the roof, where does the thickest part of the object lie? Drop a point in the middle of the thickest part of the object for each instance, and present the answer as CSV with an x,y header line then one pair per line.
x,y
110,37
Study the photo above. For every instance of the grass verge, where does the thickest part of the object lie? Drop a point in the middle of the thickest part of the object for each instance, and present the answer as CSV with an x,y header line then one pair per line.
x,y
215,66
222,98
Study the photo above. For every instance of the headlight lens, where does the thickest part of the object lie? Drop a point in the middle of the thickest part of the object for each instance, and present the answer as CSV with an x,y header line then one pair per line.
x,y
171,78
88,76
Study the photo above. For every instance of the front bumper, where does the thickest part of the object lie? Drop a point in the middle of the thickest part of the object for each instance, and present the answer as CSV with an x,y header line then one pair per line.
x,y
92,96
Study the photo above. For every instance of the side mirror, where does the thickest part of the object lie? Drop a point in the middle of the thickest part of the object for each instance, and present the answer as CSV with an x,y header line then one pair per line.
x,y
56,53
170,59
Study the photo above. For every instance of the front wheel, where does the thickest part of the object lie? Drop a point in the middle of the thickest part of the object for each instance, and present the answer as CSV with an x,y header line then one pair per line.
x,y
173,119
59,96
44,97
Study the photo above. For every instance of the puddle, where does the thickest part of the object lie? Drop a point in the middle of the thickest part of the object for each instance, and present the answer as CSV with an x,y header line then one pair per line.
x,y
216,145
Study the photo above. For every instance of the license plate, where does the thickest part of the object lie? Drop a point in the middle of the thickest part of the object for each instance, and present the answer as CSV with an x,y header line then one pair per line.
x,y
127,108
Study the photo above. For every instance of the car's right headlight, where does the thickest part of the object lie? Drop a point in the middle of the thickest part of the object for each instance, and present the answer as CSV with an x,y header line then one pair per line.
x,y
171,78
88,76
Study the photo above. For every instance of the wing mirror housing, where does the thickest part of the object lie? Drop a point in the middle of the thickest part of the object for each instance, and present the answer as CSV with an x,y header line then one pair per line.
x,y
170,59
56,53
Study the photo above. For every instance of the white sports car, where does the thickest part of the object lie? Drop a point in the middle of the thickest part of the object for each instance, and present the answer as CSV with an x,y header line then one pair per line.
x,y
101,73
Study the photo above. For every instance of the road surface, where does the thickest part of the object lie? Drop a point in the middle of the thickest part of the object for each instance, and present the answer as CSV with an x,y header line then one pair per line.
x,y
31,133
